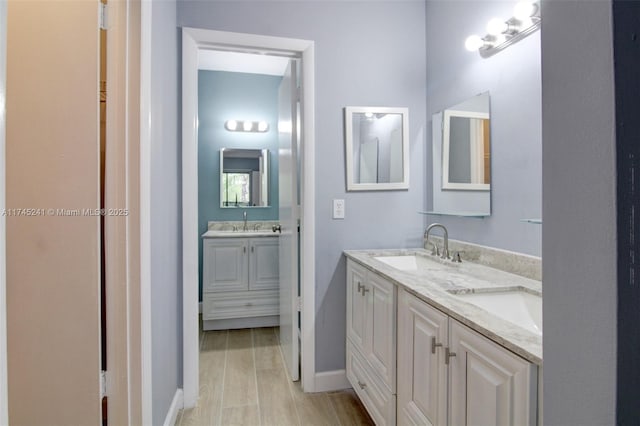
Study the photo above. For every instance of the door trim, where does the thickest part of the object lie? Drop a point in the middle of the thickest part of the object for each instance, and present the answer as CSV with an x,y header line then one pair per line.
x,y
194,39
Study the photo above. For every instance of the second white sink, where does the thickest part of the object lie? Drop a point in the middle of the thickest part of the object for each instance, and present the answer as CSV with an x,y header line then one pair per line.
x,y
518,307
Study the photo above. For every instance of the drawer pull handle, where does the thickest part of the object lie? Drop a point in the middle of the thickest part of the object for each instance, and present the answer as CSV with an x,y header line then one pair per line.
x,y
434,345
362,385
448,354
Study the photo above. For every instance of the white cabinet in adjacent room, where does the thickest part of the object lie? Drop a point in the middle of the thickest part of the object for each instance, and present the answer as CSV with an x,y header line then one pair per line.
x,y
240,282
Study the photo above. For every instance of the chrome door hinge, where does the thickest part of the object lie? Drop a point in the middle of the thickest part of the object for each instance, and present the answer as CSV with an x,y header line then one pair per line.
x,y
102,15
299,304
298,94
103,384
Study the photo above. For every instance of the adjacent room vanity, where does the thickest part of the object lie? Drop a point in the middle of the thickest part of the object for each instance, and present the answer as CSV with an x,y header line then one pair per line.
x,y
429,344
240,279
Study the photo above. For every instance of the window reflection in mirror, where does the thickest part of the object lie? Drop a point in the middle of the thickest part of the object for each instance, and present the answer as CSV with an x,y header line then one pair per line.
x,y
377,148
244,178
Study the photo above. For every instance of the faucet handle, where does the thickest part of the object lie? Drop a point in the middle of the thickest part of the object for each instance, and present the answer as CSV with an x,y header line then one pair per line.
x,y
435,250
256,227
456,257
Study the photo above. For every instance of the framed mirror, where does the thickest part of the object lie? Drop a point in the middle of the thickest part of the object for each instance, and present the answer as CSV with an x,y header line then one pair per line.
x,y
244,178
466,150
462,158
377,148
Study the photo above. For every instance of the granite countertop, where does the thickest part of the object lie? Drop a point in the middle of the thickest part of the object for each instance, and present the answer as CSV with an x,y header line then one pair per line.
x,y
240,234
434,283
233,229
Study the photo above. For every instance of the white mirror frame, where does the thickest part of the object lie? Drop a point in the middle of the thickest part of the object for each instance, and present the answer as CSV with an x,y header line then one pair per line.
x,y
446,127
349,144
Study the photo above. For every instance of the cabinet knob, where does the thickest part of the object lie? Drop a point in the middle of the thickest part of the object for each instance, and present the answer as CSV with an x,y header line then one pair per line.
x,y
448,354
276,228
362,385
434,345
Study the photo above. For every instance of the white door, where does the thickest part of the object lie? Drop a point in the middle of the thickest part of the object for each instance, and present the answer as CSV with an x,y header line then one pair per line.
x,y
288,217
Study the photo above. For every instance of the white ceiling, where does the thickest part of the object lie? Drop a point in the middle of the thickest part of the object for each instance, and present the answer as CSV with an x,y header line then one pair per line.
x,y
214,60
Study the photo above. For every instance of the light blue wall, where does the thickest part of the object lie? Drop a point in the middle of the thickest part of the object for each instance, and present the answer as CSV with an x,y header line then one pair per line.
x,y
367,54
513,78
166,207
223,96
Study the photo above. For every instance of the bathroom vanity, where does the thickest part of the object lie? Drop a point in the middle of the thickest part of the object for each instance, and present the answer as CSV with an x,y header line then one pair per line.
x,y
240,279
430,341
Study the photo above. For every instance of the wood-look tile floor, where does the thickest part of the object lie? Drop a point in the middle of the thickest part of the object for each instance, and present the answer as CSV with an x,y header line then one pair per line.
x,y
243,382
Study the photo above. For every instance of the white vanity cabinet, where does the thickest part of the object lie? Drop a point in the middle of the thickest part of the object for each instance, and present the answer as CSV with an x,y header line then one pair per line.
x,y
240,282
449,374
422,372
371,341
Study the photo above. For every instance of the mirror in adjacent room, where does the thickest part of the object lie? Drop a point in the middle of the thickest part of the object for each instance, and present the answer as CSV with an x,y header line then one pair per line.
x,y
462,158
377,148
244,178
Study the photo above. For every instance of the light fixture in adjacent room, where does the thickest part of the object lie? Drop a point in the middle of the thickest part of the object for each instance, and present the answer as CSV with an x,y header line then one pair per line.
x,y
504,33
246,126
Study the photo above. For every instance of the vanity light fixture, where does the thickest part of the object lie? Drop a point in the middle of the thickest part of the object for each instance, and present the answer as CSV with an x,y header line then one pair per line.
x,y
502,34
246,126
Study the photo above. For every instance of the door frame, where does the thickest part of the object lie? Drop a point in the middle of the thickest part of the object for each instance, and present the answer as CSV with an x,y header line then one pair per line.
x,y
194,39
4,410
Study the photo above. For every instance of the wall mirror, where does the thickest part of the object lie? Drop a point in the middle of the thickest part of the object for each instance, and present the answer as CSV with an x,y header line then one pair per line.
x,y
377,148
244,178
462,158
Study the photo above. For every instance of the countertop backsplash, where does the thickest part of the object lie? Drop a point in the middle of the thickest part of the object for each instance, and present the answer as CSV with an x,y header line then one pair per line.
x,y
516,263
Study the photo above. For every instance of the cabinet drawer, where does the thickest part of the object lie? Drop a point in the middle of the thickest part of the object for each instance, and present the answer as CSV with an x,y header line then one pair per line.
x,y
379,401
240,304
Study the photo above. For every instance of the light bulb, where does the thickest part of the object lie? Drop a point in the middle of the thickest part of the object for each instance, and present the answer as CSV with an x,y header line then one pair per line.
x,y
232,125
368,114
263,126
524,10
497,26
247,126
473,42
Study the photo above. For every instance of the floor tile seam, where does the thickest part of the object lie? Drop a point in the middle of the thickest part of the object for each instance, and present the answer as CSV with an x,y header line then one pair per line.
x,y
289,382
255,374
218,421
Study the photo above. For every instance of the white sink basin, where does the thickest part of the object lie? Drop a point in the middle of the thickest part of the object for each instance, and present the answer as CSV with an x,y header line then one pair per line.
x,y
518,307
411,262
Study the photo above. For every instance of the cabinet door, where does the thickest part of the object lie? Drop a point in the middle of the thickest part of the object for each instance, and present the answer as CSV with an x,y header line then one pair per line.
x,y
356,304
422,373
380,342
224,264
489,385
264,267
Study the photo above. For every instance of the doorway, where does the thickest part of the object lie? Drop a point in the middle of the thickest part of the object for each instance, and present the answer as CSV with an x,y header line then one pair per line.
x,y
195,43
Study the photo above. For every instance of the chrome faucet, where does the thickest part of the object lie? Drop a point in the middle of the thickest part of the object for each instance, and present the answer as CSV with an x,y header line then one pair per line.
x,y
244,217
445,251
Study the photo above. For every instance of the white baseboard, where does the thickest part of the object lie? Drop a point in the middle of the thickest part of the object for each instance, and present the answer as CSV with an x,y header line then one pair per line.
x,y
176,405
326,381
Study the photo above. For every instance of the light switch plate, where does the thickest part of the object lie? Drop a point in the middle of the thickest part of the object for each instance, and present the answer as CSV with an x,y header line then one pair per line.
x,y
338,209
